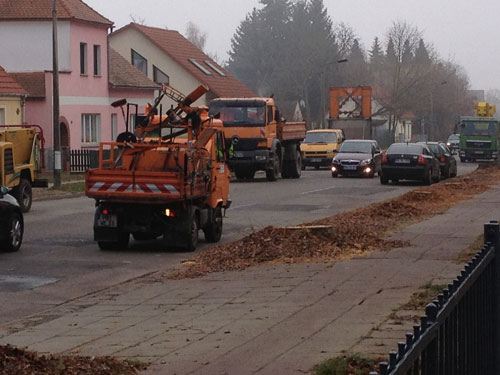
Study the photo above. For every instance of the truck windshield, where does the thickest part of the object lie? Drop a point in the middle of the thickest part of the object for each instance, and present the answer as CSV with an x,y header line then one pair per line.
x,y
321,137
240,115
479,128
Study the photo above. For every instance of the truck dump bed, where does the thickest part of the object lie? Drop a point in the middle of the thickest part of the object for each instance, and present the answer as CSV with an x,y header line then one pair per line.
x,y
149,172
291,131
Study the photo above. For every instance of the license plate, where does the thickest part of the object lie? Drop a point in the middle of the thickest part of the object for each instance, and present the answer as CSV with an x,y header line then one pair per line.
x,y
479,152
350,167
402,161
315,160
109,221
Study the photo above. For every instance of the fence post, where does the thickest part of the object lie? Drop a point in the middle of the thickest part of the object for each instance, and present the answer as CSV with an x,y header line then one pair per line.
x,y
492,236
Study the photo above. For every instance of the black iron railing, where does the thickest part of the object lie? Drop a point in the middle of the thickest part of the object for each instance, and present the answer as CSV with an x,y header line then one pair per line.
x,y
459,334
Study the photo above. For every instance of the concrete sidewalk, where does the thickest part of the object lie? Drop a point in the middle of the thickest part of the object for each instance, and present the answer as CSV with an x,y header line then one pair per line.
x,y
265,320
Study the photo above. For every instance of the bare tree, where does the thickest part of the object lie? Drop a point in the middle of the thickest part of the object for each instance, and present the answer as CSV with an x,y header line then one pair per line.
x,y
196,36
344,38
137,19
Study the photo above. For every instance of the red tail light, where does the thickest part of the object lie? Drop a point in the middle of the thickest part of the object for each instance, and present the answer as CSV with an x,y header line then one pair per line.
x,y
105,211
421,160
443,160
384,158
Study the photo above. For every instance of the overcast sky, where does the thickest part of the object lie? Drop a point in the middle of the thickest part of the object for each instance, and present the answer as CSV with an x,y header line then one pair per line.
x,y
464,31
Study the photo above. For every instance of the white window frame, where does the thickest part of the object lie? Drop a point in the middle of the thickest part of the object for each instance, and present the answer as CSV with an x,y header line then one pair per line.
x,y
97,60
114,126
91,129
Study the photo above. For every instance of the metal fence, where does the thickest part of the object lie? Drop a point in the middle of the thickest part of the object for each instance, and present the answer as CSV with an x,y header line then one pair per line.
x,y
459,333
80,161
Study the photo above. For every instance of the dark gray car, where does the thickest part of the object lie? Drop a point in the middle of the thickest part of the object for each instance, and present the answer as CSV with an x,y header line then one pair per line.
x,y
357,157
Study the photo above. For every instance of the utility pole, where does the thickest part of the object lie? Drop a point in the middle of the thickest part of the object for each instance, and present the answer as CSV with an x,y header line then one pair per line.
x,y
55,101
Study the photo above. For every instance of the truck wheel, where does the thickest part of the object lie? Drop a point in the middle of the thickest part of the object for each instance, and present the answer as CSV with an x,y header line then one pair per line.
x,y
213,232
294,165
192,233
23,194
273,173
120,244
15,231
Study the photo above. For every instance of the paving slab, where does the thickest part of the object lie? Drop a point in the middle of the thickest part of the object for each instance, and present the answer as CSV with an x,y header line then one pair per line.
x,y
263,320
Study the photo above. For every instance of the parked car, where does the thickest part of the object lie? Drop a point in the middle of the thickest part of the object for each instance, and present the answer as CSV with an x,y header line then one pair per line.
x,y
453,141
409,161
447,161
11,222
359,157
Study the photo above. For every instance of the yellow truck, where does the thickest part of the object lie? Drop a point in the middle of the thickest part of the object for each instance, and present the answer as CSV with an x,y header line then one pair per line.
x,y
320,146
21,158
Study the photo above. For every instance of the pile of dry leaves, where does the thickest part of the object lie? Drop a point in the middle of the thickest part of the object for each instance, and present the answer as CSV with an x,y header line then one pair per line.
x,y
14,361
342,236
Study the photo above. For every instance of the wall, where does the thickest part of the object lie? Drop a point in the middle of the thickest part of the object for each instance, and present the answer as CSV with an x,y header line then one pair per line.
x,y
180,79
27,46
13,110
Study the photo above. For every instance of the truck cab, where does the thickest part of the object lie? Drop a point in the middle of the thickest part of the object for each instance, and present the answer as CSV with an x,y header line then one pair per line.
x,y
320,146
258,138
480,134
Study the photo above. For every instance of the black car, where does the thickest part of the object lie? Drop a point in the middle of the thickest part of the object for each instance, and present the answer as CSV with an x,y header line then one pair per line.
x,y
447,161
409,161
358,157
11,222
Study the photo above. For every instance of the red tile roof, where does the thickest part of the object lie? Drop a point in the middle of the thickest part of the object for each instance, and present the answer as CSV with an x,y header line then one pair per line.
x,y
33,83
9,86
182,50
122,74
42,10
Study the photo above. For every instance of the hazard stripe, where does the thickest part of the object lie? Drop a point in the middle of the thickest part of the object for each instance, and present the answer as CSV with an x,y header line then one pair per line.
x,y
97,186
139,188
172,189
153,188
115,186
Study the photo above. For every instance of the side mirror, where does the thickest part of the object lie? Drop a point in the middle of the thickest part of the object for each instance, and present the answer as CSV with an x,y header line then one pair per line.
x,y
3,190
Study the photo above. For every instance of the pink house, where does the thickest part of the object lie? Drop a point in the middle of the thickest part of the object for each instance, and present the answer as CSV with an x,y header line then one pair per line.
x,y
91,77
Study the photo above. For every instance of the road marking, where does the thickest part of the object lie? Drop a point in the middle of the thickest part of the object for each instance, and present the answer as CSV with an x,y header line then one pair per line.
x,y
244,206
316,191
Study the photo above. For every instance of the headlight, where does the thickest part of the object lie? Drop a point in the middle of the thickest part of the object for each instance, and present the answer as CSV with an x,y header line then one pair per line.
x,y
336,161
365,162
448,143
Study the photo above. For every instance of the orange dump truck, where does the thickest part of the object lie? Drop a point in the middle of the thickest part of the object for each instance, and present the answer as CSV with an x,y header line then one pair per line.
x,y
259,138
169,178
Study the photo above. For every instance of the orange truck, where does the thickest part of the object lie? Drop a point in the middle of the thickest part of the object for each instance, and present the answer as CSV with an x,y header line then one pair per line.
x,y
259,139
168,178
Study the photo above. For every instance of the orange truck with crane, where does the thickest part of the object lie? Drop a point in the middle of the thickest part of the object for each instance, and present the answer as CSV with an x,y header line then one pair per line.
x,y
168,178
259,138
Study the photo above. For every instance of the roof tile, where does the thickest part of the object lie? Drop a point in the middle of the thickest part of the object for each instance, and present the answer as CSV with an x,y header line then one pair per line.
x,y
182,51
42,10
8,85
124,74
33,83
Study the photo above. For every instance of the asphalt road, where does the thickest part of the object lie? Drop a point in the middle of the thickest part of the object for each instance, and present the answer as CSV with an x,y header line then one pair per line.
x,y
59,260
